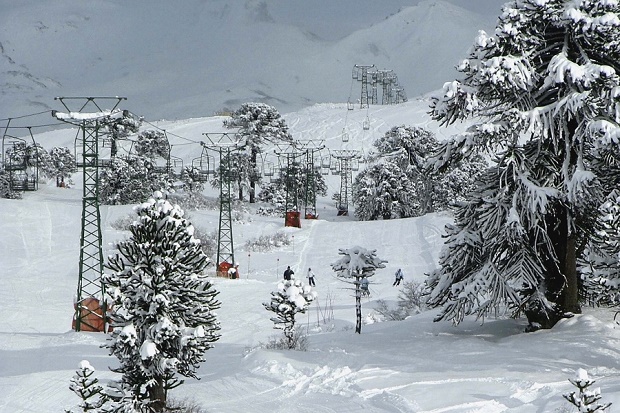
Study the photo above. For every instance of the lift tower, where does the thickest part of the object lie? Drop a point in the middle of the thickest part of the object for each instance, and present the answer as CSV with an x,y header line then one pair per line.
x,y
360,72
348,161
90,308
290,159
313,169
224,144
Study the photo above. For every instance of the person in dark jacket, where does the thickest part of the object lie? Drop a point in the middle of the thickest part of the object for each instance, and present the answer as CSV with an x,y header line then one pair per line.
x,y
288,273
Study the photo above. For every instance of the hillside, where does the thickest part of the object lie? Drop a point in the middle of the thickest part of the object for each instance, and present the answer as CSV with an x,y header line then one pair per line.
x,y
175,60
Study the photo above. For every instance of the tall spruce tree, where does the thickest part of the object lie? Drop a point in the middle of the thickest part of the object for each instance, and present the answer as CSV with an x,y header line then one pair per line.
x,y
258,124
543,97
163,315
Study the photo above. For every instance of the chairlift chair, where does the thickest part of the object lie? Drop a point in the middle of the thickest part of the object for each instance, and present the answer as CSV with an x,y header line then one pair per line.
x,y
345,135
366,123
202,167
350,105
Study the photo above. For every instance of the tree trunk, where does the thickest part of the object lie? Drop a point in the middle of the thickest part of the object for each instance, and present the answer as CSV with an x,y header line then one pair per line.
x,y
561,280
569,299
157,396
358,306
252,178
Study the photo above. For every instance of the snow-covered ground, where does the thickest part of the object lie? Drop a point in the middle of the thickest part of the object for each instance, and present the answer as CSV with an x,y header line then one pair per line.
x,y
414,365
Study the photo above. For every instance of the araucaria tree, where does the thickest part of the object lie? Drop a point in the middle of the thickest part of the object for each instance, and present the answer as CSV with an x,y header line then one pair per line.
x,y
397,182
291,297
61,164
543,95
163,316
87,388
258,124
356,264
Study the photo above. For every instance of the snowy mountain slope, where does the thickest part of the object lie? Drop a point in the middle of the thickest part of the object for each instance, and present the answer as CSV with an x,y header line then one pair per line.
x,y
410,366
187,59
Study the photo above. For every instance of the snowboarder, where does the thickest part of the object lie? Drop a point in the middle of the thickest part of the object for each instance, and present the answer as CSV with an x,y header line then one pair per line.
x,y
399,277
364,287
310,276
288,273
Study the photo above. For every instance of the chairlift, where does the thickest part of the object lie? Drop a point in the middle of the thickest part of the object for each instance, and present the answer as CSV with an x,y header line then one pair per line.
x,y
202,167
345,135
355,165
335,168
366,123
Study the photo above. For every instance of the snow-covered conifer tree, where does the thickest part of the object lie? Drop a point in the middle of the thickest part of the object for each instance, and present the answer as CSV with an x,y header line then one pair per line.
x,y
87,388
163,316
398,183
543,96
355,264
239,169
258,124
295,180
290,298
129,180
585,399
152,144
383,190
61,164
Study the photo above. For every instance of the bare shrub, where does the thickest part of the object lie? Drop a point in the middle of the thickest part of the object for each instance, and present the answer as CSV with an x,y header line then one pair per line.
x,y
410,302
298,341
266,243
122,224
183,406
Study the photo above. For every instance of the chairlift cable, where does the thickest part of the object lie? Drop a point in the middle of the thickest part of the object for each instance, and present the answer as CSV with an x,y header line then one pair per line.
x,y
25,116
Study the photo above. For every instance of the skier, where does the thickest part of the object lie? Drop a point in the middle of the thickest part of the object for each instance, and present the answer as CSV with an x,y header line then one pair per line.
x,y
288,273
364,287
399,277
310,276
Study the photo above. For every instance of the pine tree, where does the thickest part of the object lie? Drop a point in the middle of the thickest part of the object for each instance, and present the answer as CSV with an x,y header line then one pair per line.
x,y
295,180
258,124
383,190
586,399
398,182
129,180
541,94
87,388
290,298
164,306
152,144
356,264
61,165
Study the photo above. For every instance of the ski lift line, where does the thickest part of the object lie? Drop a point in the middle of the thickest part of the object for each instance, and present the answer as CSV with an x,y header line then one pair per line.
x,y
168,132
24,116
34,126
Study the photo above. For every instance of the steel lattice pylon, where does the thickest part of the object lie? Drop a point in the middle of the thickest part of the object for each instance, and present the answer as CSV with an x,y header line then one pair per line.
x,y
224,144
298,161
362,74
345,157
225,245
90,309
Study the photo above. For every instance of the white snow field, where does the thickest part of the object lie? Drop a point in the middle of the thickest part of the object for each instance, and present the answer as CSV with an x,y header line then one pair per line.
x,y
414,365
